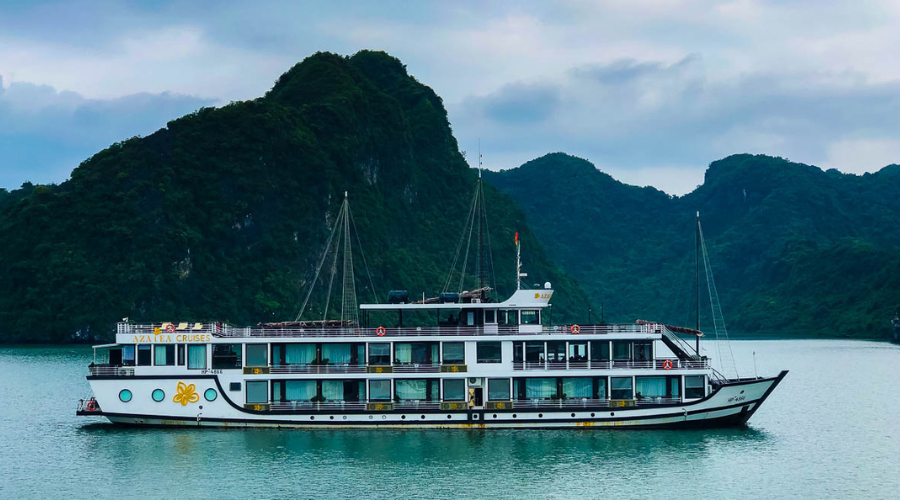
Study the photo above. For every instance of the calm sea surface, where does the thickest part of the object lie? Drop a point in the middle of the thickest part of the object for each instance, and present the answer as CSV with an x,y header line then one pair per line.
x,y
830,430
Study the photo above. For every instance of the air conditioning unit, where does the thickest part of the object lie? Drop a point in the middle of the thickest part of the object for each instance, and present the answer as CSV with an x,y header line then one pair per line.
x,y
476,301
475,382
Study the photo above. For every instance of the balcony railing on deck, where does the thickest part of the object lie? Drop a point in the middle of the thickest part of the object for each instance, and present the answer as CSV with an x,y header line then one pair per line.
x,y
656,364
416,405
116,371
222,330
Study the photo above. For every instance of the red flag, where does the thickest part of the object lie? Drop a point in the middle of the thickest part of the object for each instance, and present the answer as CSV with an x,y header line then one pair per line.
x,y
517,237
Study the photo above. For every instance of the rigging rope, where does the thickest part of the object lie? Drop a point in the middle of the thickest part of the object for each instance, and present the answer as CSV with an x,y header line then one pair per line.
x,y
369,274
716,306
318,271
462,236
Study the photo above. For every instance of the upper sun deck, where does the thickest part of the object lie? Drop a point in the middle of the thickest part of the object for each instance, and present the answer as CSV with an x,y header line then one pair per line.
x,y
521,299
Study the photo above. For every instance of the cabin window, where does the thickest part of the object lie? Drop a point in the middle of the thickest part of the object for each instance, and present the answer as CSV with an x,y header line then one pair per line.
x,y
257,355
257,390
540,388
454,353
556,352
578,387
234,386
599,350
455,389
295,390
600,387
293,354
127,355
506,317
621,388
196,357
164,355
143,355
416,352
649,387
416,389
470,318
643,351
498,389
380,354
342,390
534,352
226,356
380,390
180,354
337,354
530,317
621,350
488,352
490,316
578,351
694,387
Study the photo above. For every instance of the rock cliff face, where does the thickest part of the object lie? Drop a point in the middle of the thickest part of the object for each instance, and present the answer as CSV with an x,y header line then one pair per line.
x,y
223,214
794,249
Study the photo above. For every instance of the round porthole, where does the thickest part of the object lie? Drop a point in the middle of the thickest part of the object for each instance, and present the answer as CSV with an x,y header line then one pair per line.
x,y
402,417
573,414
592,414
125,395
158,395
449,416
210,394
514,415
540,415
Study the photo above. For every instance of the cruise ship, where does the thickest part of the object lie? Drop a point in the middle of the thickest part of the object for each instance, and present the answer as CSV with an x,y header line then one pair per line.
x,y
460,360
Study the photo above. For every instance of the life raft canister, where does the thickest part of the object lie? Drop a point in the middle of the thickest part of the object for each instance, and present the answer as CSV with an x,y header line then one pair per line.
x,y
667,364
380,331
575,329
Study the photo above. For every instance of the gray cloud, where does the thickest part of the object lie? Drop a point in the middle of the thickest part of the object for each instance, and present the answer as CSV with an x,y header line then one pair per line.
x,y
44,133
521,104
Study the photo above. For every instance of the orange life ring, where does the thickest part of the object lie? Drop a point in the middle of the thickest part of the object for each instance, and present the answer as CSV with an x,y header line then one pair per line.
x,y
170,328
380,331
91,405
667,364
575,329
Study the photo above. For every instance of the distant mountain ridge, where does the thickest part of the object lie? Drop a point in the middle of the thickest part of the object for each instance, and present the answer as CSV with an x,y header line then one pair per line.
x,y
223,214
794,249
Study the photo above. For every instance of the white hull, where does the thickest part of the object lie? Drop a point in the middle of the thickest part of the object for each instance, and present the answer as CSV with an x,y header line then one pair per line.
x,y
730,405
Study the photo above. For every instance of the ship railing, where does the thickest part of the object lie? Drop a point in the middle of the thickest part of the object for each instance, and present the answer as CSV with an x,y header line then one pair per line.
x,y
407,404
108,370
654,364
170,328
310,368
573,403
442,331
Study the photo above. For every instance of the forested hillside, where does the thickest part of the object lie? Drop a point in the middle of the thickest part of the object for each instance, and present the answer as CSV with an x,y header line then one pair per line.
x,y
794,249
223,214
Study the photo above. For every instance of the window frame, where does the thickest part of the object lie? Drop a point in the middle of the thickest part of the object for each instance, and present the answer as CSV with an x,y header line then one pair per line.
x,y
485,360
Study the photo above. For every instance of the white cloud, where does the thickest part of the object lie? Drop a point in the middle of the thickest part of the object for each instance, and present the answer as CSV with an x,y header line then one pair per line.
x,y
858,156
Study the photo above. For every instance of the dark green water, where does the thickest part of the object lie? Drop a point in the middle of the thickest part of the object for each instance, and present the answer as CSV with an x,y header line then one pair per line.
x,y
831,430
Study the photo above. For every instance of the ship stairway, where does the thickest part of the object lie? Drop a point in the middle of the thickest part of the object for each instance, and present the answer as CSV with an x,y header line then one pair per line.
x,y
678,346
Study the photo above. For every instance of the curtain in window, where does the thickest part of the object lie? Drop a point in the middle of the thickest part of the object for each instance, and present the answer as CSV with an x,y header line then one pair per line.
x,y
435,353
601,388
454,389
379,390
410,389
403,353
650,387
333,390
540,388
197,356
302,354
160,355
336,354
299,390
581,387
454,352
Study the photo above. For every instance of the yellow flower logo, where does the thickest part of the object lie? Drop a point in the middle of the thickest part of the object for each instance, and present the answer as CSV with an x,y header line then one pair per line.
x,y
186,394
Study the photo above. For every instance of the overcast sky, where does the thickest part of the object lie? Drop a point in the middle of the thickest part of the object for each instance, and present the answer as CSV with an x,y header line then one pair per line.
x,y
650,91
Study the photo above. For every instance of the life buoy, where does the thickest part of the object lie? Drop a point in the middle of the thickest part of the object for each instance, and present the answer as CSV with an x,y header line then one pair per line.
x,y
667,364
92,405
170,328
575,329
380,331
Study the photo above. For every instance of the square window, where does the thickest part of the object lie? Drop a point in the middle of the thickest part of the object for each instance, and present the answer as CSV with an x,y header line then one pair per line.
x,y
694,387
488,352
234,386
226,356
490,316
454,352
454,389
380,354
531,318
257,391
621,388
498,389
257,355
380,390
127,355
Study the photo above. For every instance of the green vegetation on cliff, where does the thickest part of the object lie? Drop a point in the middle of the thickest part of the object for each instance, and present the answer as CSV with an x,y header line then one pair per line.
x,y
223,214
793,248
